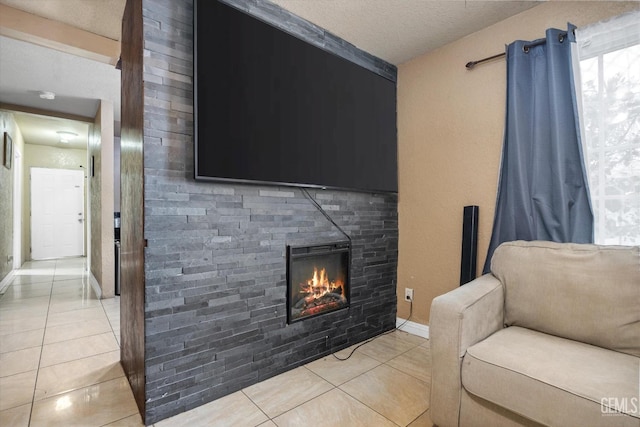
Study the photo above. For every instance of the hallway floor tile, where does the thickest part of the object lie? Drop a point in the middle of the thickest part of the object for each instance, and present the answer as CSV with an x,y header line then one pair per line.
x,y
60,366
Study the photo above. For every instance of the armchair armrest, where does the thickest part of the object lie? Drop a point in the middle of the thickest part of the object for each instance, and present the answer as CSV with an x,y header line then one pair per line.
x,y
458,320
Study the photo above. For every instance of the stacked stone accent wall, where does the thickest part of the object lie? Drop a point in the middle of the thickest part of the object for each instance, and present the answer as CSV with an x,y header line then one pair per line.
x,y
215,262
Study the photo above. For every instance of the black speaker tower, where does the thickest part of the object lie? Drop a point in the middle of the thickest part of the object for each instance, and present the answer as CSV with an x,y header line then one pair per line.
x,y
469,244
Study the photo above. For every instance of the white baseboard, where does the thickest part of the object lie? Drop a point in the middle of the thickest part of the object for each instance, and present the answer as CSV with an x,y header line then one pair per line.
x,y
4,284
95,285
413,328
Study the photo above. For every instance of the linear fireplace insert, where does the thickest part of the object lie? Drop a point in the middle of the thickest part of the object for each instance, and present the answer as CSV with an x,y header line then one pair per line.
x,y
317,279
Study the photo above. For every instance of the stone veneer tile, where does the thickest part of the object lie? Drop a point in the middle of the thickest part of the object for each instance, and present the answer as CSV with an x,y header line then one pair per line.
x,y
215,267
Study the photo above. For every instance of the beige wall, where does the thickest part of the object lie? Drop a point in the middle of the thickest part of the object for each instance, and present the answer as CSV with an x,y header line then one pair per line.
x,y
95,189
43,156
7,124
107,199
450,126
101,199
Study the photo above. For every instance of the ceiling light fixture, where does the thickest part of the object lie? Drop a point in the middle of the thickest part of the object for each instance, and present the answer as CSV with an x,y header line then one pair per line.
x,y
46,95
65,136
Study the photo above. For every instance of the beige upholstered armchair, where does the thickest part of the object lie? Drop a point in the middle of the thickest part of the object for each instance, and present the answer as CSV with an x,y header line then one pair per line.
x,y
551,337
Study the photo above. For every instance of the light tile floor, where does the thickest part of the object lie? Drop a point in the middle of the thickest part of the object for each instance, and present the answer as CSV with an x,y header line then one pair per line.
x,y
59,350
59,366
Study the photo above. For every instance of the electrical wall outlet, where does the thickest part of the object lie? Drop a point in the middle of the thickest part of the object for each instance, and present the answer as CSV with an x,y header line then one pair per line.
x,y
408,294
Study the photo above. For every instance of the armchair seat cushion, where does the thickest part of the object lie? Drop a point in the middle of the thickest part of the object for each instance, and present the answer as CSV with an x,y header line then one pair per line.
x,y
553,380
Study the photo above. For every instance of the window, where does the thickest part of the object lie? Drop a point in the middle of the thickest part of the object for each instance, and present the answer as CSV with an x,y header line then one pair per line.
x,y
609,64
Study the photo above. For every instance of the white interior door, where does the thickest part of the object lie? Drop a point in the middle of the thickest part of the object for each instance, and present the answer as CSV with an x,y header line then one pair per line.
x,y
57,213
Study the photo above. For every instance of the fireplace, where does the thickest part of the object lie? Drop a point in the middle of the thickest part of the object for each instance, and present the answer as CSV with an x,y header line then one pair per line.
x,y
317,279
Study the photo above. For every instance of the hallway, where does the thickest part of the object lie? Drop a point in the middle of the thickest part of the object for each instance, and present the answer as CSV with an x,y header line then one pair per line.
x,y
59,351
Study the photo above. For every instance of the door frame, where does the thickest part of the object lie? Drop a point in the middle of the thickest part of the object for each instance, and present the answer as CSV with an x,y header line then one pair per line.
x,y
17,208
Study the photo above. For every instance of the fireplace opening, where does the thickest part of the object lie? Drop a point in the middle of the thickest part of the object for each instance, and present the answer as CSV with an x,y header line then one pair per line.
x,y
317,279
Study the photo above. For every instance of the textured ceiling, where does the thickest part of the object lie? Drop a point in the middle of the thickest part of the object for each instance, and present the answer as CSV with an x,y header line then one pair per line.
x,y
102,17
26,69
78,83
394,30
398,30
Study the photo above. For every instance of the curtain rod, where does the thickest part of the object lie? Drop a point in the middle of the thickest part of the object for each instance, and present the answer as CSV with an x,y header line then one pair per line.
x,y
472,64
525,49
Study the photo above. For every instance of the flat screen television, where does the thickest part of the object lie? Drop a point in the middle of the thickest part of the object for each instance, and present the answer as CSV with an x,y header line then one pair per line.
x,y
272,108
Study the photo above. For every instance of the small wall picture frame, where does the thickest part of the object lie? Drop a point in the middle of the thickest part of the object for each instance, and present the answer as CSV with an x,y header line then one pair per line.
x,y
8,150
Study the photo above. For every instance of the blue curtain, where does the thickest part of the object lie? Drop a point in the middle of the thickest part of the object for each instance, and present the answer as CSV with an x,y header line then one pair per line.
x,y
542,192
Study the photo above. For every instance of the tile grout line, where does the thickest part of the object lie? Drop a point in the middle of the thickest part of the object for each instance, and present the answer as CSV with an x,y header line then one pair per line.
x,y
344,391
78,338
406,373
289,410
309,400
412,346
366,372
33,400
375,367
86,336
81,358
19,373
123,418
257,406
50,301
416,418
110,323
305,402
35,383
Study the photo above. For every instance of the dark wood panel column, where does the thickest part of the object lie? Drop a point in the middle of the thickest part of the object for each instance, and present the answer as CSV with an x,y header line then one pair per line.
x,y
132,203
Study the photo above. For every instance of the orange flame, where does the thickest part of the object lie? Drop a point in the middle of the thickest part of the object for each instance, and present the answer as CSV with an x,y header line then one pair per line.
x,y
320,285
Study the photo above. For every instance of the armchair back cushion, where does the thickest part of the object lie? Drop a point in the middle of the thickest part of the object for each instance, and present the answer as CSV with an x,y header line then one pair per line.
x,y
587,293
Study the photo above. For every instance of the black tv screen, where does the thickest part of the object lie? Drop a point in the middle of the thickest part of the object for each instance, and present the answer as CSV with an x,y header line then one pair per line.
x,y
272,108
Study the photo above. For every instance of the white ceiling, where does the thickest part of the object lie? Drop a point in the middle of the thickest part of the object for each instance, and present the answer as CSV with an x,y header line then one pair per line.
x,y
394,30
79,84
43,130
398,30
26,69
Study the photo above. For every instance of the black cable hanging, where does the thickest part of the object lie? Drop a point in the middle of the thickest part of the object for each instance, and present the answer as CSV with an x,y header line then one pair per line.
x,y
397,328
326,215
323,212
